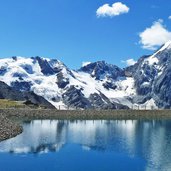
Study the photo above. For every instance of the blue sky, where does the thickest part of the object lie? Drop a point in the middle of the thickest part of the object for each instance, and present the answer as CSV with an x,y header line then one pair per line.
x,y
72,32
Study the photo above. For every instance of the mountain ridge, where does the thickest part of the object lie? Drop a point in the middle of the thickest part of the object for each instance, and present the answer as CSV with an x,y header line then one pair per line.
x,y
94,85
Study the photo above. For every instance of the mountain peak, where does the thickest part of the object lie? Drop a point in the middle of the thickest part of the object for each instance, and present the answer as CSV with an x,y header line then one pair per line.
x,y
167,45
101,69
164,47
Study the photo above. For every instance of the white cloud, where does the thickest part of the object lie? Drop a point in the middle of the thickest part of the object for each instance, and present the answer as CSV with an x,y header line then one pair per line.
x,y
129,62
111,11
156,35
169,17
85,63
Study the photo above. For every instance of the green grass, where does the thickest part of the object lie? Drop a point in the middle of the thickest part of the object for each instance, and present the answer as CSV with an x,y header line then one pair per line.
x,y
4,103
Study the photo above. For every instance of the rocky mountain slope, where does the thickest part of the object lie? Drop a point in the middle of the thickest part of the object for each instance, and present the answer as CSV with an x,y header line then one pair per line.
x,y
7,92
146,84
152,75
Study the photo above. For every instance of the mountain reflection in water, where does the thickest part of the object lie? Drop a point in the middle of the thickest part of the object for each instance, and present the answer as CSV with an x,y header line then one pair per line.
x,y
149,140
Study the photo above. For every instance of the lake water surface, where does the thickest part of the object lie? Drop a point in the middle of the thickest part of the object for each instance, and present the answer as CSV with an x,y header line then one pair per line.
x,y
52,145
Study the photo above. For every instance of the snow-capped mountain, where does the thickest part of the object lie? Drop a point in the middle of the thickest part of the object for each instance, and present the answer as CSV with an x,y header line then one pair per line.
x,y
152,75
98,84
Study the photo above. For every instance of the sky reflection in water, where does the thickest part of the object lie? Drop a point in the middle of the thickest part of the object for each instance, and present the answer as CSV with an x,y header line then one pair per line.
x,y
89,145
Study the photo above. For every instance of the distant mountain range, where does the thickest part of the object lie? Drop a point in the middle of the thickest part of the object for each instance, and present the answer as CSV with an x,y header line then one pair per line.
x,y
146,84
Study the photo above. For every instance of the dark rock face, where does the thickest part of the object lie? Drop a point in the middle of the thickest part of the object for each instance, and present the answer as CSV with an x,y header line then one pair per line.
x,y
161,87
109,85
21,76
3,70
7,92
131,70
62,82
21,86
56,68
45,67
102,102
96,100
14,58
27,68
149,83
101,69
144,76
38,100
73,97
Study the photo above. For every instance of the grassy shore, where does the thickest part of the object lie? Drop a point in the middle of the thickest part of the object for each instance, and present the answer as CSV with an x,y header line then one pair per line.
x,y
4,103
10,118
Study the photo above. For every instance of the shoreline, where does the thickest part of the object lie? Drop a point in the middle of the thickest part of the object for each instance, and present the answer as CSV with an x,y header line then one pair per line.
x,y
10,118
85,114
8,128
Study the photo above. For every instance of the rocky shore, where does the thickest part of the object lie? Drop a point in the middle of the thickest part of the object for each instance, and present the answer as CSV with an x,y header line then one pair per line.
x,y
8,129
31,114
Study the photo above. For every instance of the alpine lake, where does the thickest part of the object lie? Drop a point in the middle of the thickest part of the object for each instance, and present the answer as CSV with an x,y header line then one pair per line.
x,y
89,145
